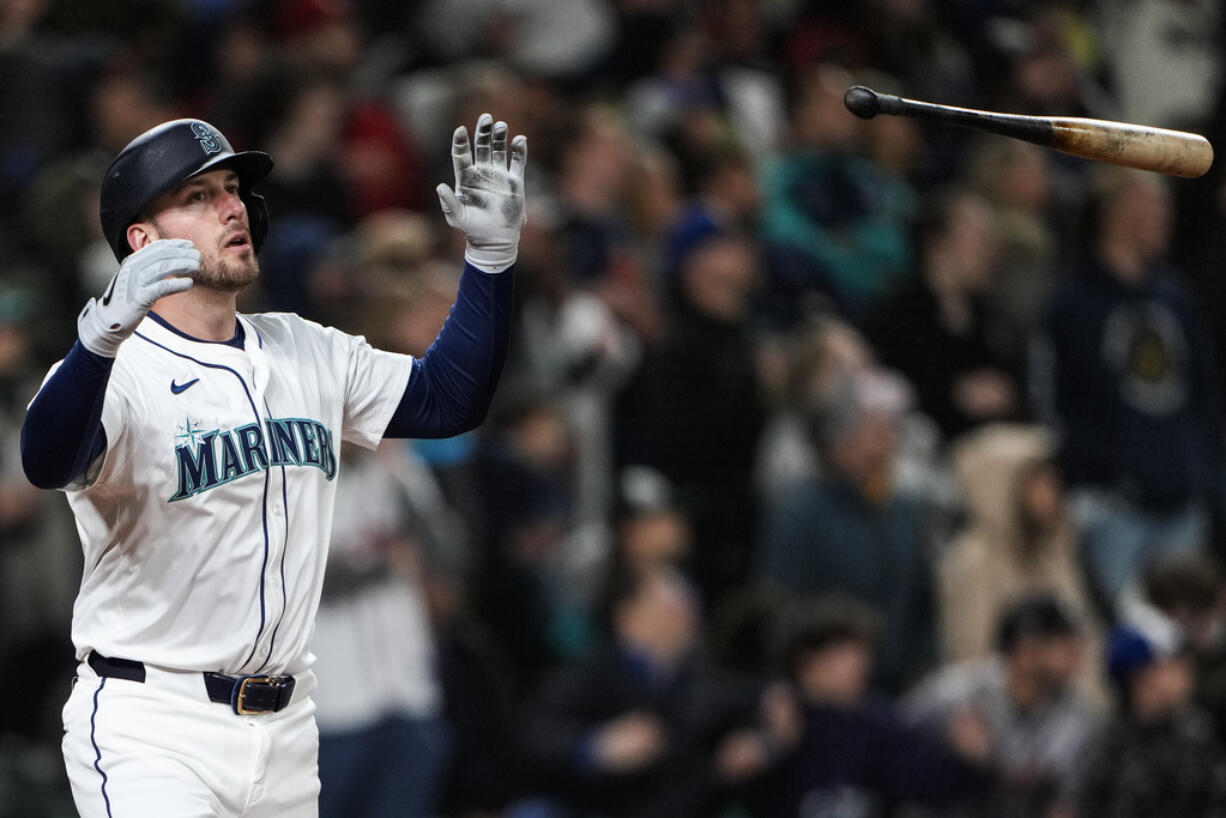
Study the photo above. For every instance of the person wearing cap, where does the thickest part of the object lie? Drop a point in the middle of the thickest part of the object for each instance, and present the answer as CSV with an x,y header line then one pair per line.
x,y
1160,754
199,451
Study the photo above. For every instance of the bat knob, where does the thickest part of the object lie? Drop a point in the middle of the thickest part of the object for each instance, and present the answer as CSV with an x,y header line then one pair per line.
x,y
861,101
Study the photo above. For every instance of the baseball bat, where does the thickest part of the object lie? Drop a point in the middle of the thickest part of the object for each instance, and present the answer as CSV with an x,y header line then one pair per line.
x,y
1177,153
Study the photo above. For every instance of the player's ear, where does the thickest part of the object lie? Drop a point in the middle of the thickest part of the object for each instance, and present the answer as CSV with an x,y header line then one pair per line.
x,y
140,234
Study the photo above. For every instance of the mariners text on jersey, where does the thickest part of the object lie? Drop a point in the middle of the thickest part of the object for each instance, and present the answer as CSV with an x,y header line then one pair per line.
x,y
209,459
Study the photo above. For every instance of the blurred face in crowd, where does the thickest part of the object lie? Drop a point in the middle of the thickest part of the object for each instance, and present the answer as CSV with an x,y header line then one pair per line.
x,y
894,144
1060,659
1040,497
1201,629
543,438
206,210
653,192
122,105
14,347
825,360
843,350
311,129
820,120
720,277
335,41
597,163
1135,220
836,674
661,619
1046,665
420,308
965,252
1025,182
655,538
1145,213
737,187
1159,691
864,454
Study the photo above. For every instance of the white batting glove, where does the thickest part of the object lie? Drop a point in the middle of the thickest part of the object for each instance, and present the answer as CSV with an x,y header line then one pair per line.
x,y
156,270
488,201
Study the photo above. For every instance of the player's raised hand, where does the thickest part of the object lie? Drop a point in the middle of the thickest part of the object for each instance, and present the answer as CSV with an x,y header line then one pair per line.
x,y
488,200
158,269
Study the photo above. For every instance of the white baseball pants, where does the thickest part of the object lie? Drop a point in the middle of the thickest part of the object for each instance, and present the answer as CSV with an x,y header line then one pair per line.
x,y
161,748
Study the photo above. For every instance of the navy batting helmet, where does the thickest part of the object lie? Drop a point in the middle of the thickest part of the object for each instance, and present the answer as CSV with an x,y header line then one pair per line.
x,y
162,158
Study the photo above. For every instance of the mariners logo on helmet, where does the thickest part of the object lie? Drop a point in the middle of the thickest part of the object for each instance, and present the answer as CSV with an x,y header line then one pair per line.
x,y
208,138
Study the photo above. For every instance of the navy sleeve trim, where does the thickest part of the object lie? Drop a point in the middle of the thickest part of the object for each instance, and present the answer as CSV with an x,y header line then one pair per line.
x,y
451,386
62,433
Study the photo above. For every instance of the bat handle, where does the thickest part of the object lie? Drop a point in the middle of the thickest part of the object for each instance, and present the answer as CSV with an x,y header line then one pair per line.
x,y
867,103
892,105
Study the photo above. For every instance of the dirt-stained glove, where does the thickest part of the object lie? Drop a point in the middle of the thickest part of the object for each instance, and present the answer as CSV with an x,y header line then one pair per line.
x,y
156,270
488,201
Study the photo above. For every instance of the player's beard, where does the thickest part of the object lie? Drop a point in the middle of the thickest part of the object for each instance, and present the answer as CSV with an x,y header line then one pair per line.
x,y
222,271
227,273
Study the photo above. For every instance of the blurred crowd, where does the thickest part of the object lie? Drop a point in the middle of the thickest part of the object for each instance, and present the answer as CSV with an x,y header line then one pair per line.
x,y
840,468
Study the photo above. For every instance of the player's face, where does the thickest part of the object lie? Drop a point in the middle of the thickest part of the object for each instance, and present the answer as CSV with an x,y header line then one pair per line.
x,y
207,211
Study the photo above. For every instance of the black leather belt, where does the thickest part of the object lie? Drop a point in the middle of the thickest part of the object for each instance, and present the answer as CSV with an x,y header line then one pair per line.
x,y
246,695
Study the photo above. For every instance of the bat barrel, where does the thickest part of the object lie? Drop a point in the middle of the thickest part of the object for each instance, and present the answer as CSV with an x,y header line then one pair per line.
x,y
1177,153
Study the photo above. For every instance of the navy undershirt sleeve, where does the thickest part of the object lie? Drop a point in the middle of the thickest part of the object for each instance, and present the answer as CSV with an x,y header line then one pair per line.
x,y
451,386
62,432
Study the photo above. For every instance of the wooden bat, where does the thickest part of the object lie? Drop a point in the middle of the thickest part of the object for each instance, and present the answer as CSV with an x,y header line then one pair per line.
x,y
1177,153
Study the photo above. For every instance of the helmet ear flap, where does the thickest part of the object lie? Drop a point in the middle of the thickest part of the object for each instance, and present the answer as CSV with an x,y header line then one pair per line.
x,y
257,217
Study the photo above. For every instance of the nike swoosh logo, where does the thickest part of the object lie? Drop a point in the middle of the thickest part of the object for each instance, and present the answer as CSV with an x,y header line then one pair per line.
x,y
176,388
110,289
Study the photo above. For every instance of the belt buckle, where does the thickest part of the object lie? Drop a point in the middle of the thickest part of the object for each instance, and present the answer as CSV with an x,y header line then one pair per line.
x,y
240,694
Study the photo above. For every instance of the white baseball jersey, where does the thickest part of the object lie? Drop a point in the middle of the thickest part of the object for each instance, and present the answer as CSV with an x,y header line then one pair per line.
x,y
205,524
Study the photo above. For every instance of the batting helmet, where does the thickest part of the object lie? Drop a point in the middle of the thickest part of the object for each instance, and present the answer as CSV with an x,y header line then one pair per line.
x,y
162,158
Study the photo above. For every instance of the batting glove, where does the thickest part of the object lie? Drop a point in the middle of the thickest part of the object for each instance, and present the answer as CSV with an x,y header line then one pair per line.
x,y
154,271
488,201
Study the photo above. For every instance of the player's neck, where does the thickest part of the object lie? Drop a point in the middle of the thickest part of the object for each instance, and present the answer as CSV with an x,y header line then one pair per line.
x,y
200,313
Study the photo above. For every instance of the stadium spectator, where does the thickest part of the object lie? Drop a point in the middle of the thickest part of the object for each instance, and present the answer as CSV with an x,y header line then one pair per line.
x,y
725,198
849,530
1019,540
1159,755
1124,373
694,409
835,226
856,755
814,360
1022,706
522,469
1016,179
643,727
1186,588
936,331
652,531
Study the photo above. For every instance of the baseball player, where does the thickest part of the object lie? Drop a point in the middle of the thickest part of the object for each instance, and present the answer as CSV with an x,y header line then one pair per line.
x,y
198,450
